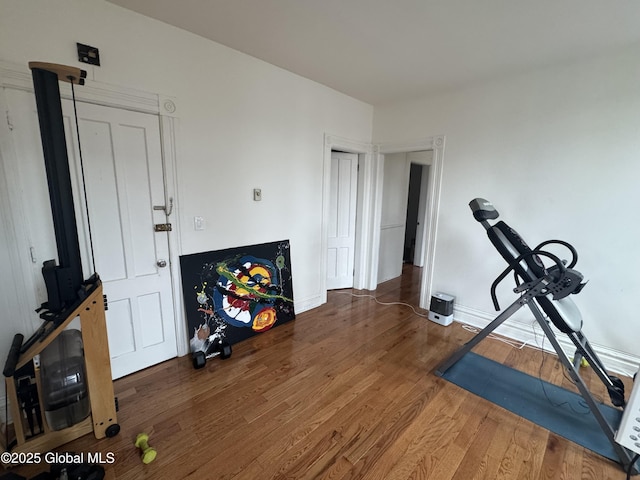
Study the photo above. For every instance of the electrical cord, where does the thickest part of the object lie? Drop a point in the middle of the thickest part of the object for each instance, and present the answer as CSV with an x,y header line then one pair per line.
x,y
581,402
542,351
492,336
364,295
520,346
466,327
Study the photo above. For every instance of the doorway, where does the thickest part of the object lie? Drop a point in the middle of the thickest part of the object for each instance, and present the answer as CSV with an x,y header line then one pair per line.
x,y
436,146
402,231
369,208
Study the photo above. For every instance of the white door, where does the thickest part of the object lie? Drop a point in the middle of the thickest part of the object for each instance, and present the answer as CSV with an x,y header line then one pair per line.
x,y
124,180
342,220
123,170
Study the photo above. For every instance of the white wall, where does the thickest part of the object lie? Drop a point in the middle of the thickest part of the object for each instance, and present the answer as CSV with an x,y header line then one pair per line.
x,y
242,124
557,152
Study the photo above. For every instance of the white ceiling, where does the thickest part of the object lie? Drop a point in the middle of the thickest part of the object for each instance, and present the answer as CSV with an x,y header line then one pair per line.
x,y
381,51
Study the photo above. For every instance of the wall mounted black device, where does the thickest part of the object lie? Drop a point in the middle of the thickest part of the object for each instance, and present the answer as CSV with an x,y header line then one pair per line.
x,y
63,281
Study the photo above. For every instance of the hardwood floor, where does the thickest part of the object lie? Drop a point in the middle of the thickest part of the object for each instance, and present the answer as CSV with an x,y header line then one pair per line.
x,y
345,391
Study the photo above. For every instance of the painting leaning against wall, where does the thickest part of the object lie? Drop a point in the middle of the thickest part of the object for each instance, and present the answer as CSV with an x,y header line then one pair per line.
x,y
233,294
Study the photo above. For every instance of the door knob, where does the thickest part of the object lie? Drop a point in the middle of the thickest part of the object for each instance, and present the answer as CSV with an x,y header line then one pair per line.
x,y
161,263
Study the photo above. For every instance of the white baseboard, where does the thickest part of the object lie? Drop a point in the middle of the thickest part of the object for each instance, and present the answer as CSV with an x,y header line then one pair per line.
x,y
615,361
308,303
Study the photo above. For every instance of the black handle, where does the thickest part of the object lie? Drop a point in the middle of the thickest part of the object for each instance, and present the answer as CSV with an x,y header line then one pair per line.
x,y
574,253
561,268
12,357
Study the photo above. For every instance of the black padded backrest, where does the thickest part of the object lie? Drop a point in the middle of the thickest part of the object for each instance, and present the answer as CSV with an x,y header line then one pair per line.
x,y
511,245
562,313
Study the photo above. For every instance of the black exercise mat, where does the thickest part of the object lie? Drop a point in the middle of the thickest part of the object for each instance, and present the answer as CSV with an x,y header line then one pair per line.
x,y
562,412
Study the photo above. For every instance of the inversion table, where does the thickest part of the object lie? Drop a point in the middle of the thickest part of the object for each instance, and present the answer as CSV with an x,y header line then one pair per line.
x,y
546,290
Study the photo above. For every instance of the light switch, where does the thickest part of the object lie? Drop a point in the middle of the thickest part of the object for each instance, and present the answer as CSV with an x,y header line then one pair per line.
x,y
198,223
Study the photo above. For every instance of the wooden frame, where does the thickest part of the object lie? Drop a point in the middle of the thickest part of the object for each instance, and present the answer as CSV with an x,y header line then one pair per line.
x,y
102,420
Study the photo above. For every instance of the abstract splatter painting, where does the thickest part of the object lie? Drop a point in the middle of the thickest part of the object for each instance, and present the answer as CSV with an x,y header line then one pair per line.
x,y
236,293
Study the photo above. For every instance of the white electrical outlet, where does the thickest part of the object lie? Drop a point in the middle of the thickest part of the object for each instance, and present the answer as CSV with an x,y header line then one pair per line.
x,y
628,434
198,223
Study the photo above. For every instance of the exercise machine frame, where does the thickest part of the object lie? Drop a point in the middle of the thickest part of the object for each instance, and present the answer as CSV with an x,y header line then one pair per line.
x,y
102,420
558,281
69,296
